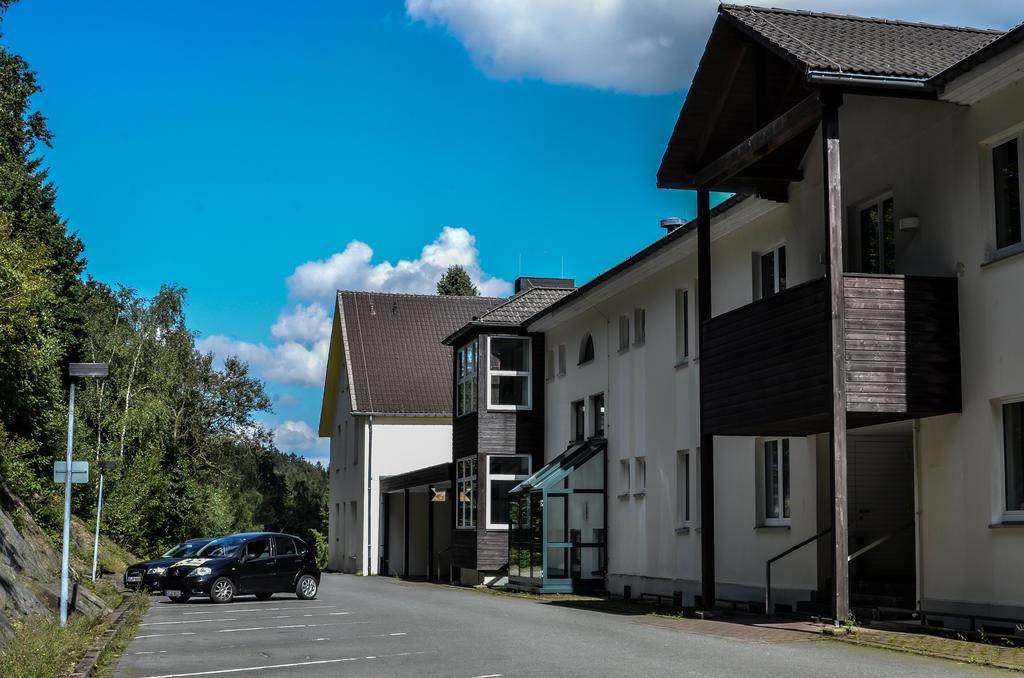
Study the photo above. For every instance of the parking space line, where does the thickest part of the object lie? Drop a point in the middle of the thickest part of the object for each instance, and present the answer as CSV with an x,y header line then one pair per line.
x,y
319,662
239,610
163,635
289,626
189,621
230,619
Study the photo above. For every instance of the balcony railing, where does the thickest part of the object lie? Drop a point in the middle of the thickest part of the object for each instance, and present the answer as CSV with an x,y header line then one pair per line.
x,y
766,366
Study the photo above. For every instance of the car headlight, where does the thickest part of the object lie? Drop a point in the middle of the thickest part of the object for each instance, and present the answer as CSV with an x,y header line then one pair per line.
x,y
200,572
156,570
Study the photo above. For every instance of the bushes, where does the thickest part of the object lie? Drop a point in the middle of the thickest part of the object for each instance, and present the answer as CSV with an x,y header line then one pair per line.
x,y
320,542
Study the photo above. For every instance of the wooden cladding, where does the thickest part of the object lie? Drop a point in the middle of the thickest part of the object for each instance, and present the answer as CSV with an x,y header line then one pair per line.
x,y
766,365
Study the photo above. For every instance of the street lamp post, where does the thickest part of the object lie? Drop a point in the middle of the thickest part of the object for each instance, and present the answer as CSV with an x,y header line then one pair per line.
x,y
74,370
104,465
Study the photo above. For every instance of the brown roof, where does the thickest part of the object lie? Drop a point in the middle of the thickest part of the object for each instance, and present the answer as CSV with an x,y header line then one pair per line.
x,y
525,305
393,351
851,44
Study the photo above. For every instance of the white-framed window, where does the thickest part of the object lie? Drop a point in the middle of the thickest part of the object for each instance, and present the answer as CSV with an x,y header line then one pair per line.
x,y
771,277
639,325
549,364
509,386
1007,159
561,360
640,476
623,332
465,493
876,235
1013,460
586,349
775,457
577,421
683,470
466,379
597,414
682,325
504,472
624,478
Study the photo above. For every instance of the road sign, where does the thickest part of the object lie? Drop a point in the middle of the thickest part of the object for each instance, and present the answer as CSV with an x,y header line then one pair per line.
x,y
79,471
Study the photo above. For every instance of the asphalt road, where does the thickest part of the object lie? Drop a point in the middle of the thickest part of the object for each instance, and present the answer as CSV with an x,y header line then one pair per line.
x,y
383,627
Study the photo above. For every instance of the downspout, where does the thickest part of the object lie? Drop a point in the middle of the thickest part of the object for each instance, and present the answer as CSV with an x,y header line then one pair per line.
x,y
918,545
369,497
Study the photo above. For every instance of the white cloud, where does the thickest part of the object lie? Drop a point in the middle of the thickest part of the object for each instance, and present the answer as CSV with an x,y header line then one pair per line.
x,y
290,362
293,434
640,46
302,323
353,269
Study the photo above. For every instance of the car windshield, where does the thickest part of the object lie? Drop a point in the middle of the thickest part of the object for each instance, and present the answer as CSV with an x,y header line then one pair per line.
x,y
182,551
221,548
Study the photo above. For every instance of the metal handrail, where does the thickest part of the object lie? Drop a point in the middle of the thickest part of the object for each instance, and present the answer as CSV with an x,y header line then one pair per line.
x,y
768,566
878,542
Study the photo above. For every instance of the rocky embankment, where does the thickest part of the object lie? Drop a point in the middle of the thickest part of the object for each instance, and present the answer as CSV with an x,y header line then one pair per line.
x,y
30,570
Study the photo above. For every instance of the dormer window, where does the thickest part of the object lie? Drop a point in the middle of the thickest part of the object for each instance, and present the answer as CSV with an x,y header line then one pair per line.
x,y
465,379
586,348
509,386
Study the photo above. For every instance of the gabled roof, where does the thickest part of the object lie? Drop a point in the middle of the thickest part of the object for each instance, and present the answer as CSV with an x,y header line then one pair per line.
x,y
851,44
390,347
998,46
514,312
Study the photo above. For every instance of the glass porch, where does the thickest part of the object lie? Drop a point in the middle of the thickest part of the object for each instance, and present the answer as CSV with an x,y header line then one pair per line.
x,y
557,523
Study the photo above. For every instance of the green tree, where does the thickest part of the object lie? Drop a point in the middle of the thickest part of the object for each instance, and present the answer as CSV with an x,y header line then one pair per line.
x,y
456,283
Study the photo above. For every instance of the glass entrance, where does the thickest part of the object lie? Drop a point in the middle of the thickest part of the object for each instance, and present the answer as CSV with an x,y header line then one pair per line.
x,y
876,234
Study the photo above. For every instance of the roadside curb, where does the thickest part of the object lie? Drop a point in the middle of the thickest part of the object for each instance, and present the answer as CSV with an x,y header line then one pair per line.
x,y
115,620
853,639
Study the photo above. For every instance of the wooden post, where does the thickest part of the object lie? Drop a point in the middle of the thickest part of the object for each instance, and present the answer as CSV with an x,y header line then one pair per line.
x,y
385,529
837,430
405,533
430,533
707,442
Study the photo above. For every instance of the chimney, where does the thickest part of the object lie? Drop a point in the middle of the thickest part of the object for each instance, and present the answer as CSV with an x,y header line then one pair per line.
x,y
524,283
672,223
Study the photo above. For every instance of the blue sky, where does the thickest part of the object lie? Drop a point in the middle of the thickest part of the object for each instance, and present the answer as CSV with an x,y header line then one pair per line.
x,y
230,147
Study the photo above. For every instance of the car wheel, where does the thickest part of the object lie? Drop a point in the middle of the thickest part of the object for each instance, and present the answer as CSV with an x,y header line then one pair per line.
x,y
182,598
222,591
263,596
306,587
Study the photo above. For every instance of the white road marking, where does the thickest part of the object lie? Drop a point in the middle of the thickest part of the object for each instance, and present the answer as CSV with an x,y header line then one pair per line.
x,y
162,635
239,610
189,621
287,626
271,667
489,675
153,652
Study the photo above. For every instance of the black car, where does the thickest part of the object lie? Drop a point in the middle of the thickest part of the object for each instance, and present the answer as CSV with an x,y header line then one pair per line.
x,y
260,563
147,575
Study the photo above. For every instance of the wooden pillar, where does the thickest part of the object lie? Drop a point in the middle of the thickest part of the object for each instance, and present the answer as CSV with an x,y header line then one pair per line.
x,y
837,430
430,533
405,536
385,530
707,442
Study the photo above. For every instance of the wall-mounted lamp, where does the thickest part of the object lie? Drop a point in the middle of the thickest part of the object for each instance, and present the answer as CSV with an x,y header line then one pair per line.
x,y
910,224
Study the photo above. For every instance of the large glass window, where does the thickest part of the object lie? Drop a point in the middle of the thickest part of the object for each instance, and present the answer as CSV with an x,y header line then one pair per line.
x,y
1006,182
877,234
465,487
503,473
773,272
465,379
509,373
776,482
1013,453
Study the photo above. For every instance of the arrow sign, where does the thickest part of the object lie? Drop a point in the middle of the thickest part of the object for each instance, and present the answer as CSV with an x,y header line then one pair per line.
x,y
79,471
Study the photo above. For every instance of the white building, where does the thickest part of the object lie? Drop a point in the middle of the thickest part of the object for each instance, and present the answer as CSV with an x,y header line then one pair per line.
x,y
387,406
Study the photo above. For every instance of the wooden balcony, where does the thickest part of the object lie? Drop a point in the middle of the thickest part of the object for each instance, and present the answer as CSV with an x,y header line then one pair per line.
x,y
766,365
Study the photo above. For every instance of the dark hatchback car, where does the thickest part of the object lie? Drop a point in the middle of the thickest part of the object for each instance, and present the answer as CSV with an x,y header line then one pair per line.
x,y
259,563
147,575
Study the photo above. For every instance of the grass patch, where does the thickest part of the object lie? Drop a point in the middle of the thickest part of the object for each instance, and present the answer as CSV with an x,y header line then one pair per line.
x,y
45,649
115,648
105,590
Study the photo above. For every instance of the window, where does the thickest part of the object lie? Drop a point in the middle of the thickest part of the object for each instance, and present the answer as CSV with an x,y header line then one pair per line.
x,y
257,549
623,332
772,273
549,365
578,431
509,373
284,546
465,379
776,482
465,487
1006,163
624,479
504,472
1013,454
597,407
640,482
352,443
876,223
561,360
586,348
683,488
639,326
682,325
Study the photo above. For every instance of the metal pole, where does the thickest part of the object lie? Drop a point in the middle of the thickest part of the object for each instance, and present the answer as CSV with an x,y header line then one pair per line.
x,y
64,565
96,542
